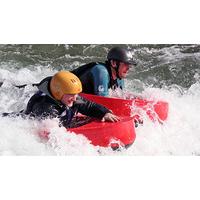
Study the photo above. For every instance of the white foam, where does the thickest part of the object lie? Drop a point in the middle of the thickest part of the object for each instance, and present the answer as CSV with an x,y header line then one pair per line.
x,y
179,135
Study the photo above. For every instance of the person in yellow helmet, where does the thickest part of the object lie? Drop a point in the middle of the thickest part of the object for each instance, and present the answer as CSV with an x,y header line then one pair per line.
x,y
58,97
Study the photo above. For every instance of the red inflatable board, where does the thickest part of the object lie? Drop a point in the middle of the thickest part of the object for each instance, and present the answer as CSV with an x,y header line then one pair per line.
x,y
122,107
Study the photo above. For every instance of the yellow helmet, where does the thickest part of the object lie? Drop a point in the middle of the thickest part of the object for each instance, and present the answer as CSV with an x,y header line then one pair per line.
x,y
64,82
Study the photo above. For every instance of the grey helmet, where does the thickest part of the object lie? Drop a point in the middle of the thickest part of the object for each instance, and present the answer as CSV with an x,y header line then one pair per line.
x,y
122,55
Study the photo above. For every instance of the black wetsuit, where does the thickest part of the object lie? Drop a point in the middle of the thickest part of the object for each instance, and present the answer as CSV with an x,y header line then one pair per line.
x,y
42,105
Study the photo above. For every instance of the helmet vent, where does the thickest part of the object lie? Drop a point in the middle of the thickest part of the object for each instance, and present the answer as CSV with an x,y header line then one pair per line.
x,y
73,80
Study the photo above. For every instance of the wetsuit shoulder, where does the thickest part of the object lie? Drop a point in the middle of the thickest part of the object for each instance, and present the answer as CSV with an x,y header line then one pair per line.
x,y
41,106
101,79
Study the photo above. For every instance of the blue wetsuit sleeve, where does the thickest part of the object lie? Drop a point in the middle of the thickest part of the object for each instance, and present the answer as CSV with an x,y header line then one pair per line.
x,y
101,80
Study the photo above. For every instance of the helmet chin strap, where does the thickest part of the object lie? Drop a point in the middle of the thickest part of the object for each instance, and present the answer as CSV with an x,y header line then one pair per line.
x,y
117,69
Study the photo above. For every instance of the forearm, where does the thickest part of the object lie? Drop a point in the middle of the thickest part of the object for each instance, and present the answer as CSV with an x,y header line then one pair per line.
x,y
91,109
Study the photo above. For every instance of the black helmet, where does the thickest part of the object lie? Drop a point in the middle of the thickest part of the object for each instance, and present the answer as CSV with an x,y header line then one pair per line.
x,y
121,54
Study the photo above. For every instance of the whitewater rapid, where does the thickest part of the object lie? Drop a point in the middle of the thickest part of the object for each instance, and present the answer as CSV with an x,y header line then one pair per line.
x,y
178,135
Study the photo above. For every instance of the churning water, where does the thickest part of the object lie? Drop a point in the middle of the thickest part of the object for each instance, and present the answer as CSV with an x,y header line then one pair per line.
x,y
165,72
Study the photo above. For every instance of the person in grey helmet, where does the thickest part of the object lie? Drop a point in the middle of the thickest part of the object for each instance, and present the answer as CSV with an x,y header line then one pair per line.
x,y
97,78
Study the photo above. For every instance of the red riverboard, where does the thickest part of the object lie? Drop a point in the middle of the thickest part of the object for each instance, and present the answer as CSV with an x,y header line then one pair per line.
x,y
125,107
109,134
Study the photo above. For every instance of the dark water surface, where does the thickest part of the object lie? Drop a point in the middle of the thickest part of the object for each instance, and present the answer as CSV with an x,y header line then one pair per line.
x,y
158,65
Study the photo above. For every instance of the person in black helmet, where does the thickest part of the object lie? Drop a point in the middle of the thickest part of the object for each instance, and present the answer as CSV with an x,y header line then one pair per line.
x,y
98,78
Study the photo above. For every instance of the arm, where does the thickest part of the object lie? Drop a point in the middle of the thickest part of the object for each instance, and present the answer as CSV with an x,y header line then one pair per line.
x,y
121,84
92,109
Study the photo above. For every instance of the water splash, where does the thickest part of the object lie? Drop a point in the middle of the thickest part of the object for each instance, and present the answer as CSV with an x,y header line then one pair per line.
x,y
179,135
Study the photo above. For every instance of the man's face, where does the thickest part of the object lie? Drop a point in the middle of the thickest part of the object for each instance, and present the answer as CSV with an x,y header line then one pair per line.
x,y
69,99
123,69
